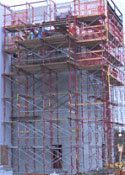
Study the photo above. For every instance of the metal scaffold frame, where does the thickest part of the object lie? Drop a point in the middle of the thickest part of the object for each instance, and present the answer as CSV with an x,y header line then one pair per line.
x,y
62,81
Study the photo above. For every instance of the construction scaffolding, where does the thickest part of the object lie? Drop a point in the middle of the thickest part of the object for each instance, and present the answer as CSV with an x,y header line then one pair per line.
x,y
63,85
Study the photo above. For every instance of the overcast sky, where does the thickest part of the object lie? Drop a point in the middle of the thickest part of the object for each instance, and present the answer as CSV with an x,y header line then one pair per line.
x,y
119,3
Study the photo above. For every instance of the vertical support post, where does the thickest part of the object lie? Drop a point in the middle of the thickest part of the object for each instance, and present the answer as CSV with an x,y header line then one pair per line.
x,y
43,88
82,115
109,125
104,145
75,7
57,112
4,80
50,15
76,112
32,14
70,109
34,135
50,115
89,123
96,125
18,116
26,120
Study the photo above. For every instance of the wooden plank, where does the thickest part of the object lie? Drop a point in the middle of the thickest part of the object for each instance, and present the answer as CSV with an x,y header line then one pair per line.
x,y
18,27
91,59
92,51
53,40
58,22
3,154
94,26
89,18
12,74
90,42
91,33
56,67
12,28
87,104
11,51
30,43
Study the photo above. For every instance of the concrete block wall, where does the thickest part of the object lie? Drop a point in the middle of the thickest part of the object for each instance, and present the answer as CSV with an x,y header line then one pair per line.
x,y
86,161
5,134
1,72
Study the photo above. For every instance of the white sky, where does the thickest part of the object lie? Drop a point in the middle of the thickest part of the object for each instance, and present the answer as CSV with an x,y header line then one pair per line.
x,y
119,3
13,2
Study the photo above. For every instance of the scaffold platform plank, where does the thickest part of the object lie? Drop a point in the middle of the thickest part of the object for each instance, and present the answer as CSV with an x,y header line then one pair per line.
x,y
51,40
89,18
11,50
91,42
82,18
19,27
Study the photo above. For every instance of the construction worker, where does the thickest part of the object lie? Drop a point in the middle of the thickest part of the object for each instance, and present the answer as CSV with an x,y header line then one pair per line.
x,y
40,31
32,33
